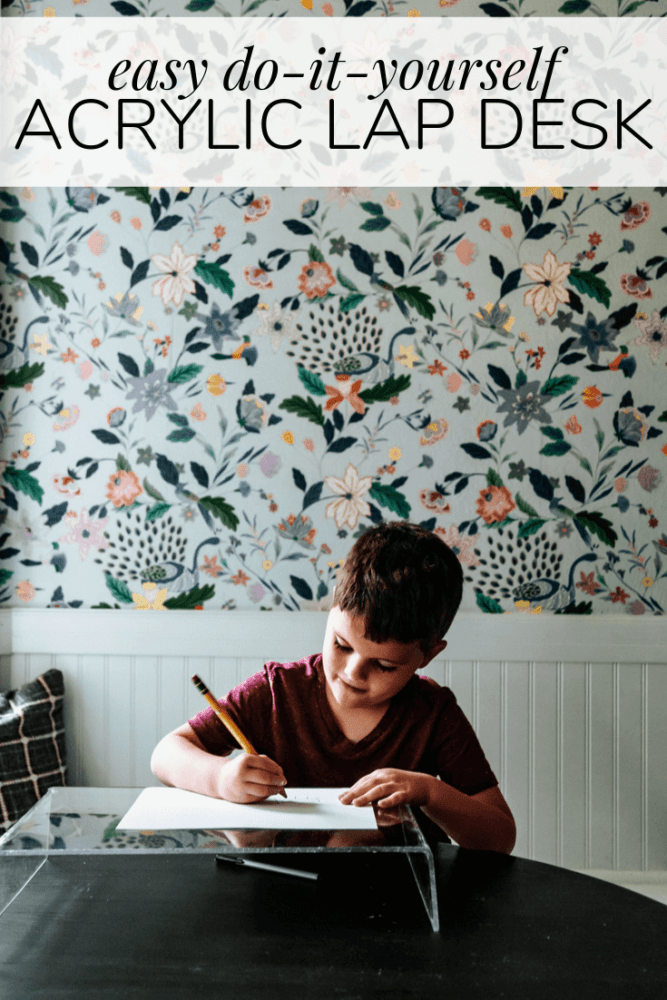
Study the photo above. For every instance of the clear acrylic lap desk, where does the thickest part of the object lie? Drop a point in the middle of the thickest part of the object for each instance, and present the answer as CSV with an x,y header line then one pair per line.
x,y
83,821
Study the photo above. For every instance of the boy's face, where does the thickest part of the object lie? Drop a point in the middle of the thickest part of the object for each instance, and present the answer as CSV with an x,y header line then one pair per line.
x,y
364,674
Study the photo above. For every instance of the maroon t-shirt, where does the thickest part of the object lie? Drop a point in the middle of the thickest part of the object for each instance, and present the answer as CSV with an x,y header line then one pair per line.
x,y
284,712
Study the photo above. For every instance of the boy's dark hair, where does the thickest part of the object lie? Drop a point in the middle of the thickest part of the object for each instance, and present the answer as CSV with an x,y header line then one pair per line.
x,y
404,581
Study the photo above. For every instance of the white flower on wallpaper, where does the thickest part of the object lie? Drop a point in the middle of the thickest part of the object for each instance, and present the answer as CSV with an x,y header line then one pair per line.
x,y
176,269
210,393
549,291
351,505
653,334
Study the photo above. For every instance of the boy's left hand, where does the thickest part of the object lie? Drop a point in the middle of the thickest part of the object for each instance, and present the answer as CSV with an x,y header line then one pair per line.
x,y
389,786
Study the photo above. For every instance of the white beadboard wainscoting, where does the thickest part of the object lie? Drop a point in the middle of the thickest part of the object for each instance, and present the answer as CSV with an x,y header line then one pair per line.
x,y
571,711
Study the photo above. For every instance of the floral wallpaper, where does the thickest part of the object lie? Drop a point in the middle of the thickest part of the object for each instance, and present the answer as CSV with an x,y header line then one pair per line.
x,y
333,8
210,393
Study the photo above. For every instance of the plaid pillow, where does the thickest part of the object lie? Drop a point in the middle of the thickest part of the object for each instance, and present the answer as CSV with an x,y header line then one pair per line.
x,y
32,744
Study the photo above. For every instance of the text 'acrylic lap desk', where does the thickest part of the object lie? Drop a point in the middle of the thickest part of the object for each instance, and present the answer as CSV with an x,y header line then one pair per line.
x,y
83,821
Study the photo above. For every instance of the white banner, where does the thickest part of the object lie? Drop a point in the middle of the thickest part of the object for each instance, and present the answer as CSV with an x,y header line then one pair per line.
x,y
424,101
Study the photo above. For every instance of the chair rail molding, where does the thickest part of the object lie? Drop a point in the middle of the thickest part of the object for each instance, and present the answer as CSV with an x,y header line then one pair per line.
x,y
282,635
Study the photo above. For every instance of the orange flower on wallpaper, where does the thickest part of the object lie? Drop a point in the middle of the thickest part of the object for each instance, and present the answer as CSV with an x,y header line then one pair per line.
x,y
592,396
494,503
345,390
465,252
316,279
257,277
463,546
635,286
588,584
65,484
97,243
258,208
123,488
432,500
636,216
211,567
25,591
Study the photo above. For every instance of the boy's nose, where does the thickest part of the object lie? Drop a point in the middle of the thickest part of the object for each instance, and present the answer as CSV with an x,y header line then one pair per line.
x,y
355,670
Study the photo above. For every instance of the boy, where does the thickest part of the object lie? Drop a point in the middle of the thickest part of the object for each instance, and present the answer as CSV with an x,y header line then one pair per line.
x,y
357,715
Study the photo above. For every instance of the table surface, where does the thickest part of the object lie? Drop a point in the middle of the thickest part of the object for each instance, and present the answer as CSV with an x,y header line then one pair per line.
x,y
156,927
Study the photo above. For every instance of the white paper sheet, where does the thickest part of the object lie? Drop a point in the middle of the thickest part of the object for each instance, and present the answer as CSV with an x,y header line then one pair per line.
x,y
304,809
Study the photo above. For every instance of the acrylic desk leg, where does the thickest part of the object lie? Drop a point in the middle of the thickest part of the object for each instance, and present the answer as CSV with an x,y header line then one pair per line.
x,y
15,873
423,868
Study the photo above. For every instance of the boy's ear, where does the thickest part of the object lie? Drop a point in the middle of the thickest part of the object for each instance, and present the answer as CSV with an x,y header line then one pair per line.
x,y
433,651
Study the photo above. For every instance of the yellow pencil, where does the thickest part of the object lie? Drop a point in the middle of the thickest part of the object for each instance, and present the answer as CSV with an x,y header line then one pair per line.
x,y
225,719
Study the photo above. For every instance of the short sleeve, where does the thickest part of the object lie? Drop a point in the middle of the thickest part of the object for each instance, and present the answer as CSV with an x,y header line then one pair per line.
x,y
248,705
460,760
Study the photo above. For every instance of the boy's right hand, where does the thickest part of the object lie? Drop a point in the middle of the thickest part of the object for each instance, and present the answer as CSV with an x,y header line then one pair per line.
x,y
250,778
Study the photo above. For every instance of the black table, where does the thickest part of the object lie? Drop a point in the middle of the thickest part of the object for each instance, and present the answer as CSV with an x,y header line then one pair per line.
x,y
156,927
